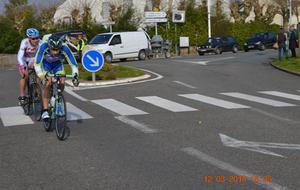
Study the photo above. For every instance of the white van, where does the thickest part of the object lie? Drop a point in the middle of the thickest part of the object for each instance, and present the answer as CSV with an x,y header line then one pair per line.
x,y
120,45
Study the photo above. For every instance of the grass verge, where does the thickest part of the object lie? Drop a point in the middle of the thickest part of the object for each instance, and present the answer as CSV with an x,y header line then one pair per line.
x,y
292,64
108,72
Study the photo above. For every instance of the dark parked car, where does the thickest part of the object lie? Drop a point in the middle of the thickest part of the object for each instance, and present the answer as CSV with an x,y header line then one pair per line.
x,y
218,45
71,38
260,41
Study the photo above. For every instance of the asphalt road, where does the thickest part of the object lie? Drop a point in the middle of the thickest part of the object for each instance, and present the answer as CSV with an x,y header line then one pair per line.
x,y
213,122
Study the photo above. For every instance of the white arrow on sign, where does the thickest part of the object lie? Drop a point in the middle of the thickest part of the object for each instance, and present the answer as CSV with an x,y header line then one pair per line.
x,y
95,62
257,146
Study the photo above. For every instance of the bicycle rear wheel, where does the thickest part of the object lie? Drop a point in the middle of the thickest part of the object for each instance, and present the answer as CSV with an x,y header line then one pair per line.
x,y
37,106
61,118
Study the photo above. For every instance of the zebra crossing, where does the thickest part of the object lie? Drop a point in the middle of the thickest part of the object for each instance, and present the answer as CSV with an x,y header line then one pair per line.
x,y
14,116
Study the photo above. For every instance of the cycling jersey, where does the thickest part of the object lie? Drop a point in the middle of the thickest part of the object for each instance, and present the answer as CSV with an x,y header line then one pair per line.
x,y
27,52
46,62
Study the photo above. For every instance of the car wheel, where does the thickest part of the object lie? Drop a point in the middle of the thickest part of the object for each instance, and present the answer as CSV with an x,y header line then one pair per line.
x,y
218,51
108,57
142,55
235,49
200,53
262,47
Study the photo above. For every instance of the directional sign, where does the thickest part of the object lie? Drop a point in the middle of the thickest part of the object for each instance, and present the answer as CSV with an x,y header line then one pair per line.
x,y
153,20
92,60
155,14
257,146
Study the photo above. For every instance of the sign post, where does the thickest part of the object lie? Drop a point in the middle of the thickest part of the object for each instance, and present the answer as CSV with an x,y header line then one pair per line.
x,y
92,61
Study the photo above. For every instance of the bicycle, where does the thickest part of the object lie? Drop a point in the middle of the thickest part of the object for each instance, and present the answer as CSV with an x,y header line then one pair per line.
x,y
57,106
32,103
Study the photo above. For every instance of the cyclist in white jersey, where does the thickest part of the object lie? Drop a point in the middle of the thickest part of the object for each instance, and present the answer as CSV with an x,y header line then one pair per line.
x,y
26,54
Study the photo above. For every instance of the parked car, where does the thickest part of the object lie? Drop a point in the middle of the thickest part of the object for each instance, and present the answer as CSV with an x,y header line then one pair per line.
x,y
218,45
71,38
120,45
260,41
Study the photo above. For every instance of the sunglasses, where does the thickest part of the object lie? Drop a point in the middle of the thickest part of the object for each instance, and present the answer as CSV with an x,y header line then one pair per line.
x,y
34,38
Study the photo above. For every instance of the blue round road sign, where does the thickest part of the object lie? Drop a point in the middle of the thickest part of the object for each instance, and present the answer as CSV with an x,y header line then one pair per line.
x,y
92,60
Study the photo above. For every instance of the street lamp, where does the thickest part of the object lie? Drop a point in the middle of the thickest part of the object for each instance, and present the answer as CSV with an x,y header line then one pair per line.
x,y
208,18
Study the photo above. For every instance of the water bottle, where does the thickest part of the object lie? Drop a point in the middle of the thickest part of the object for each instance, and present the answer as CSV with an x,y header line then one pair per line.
x,y
52,101
60,109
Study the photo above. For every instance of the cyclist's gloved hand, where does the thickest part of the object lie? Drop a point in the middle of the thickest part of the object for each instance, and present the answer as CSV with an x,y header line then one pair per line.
x,y
75,80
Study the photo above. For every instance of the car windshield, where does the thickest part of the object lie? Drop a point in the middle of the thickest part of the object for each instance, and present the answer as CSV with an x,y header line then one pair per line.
x,y
257,35
212,41
101,39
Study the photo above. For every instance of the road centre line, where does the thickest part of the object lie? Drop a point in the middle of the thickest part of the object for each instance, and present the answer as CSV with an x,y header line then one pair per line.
x,y
230,168
184,84
139,126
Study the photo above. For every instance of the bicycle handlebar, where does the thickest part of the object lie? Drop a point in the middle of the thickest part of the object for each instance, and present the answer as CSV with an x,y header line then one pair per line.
x,y
74,78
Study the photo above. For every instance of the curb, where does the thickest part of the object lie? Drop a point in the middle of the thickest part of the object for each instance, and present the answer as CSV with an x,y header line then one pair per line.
x,y
285,70
112,82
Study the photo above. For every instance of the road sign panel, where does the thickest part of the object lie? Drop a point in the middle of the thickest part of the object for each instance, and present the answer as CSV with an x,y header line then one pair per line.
x,y
153,20
92,60
155,14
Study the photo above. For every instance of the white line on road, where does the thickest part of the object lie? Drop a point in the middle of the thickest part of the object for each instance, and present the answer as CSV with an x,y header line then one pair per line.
x,y
74,113
257,99
214,101
11,116
166,104
118,107
184,84
230,168
282,94
139,126
202,62
71,92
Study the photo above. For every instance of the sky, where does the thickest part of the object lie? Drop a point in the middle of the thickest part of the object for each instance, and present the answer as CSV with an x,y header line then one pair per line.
x,y
36,2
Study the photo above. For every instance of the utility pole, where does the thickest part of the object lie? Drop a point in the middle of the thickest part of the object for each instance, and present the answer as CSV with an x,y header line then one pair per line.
x,y
290,12
208,17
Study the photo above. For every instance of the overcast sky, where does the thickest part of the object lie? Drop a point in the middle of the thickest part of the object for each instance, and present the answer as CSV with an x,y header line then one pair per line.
x,y
37,2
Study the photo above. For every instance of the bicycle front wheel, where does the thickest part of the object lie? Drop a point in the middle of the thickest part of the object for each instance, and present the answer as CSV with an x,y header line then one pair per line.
x,y
37,106
61,118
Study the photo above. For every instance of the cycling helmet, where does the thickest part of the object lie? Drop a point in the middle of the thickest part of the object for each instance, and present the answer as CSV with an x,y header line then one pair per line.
x,y
32,33
55,42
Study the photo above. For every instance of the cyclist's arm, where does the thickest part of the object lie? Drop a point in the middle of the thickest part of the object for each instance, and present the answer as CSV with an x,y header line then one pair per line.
x,y
70,59
38,60
21,53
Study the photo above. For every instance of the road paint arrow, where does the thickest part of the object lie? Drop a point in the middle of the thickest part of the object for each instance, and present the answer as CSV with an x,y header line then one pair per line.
x,y
95,62
257,146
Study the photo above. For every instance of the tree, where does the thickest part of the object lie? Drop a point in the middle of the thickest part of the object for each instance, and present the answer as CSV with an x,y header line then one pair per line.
x,y
262,15
240,10
220,22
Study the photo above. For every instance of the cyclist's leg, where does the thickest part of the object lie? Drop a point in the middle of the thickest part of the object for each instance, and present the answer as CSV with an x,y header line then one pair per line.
x,y
59,69
22,83
46,90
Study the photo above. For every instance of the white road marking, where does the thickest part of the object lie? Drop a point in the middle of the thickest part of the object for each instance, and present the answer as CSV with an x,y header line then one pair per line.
x,y
214,101
230,168
203,62
282,94
119,107
71,92
139,126
257,99
12,116
184,84
166,104
246,145
74,113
